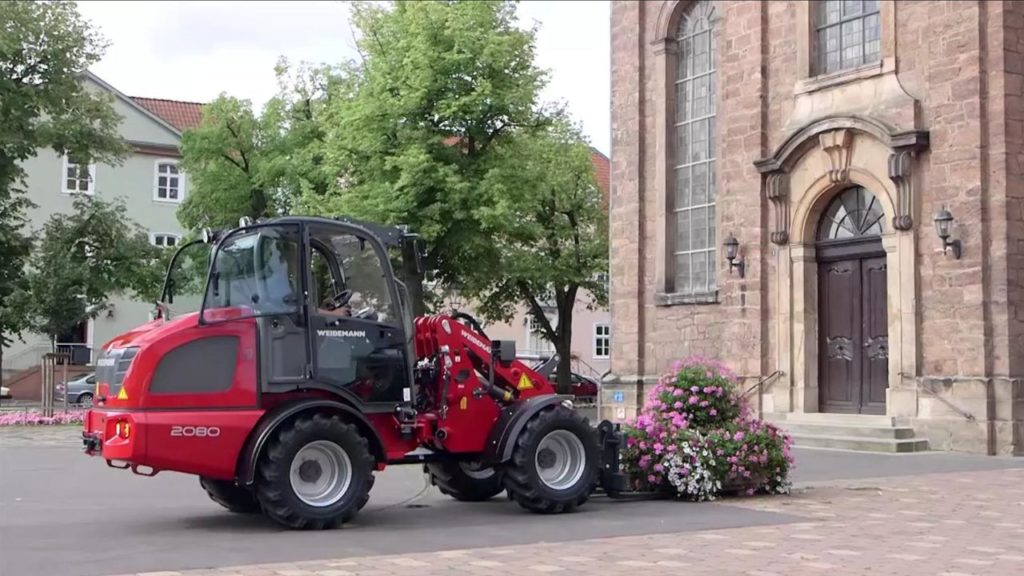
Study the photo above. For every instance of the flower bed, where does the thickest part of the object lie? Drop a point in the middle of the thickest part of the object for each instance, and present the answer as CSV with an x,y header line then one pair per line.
x,y
36,418
696,438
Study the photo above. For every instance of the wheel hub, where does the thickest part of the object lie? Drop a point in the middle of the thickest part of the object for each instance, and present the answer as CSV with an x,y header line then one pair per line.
x,y
560,460
310,471
546,458
321,473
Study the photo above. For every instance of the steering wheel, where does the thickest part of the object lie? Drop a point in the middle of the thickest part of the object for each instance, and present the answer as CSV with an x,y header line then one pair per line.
x,y
339,300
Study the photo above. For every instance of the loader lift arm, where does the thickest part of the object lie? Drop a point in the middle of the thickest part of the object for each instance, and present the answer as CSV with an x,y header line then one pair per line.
x,y
520,390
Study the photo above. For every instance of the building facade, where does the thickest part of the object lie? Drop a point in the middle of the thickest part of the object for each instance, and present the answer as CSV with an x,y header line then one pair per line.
x,y
151,186
820,140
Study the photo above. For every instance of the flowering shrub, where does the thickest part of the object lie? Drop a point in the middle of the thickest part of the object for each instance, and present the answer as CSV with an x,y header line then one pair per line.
x,y
696,437
36,418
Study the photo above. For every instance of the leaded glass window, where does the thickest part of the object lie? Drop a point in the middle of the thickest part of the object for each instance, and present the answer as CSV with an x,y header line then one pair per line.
x,y
847,34
854,213
696,181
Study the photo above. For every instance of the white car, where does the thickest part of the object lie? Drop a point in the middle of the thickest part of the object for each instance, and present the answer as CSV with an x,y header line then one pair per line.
x,y
5,392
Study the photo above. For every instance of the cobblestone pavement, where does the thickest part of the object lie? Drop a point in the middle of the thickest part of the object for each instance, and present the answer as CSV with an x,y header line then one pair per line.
x,y
941,524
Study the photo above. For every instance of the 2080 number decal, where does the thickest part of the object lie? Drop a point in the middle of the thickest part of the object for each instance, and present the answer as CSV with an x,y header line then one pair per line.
x,y
195,431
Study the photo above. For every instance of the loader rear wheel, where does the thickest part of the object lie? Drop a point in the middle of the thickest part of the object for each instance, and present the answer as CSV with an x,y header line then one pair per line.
x,y
554,463
465,481
315,474
231,496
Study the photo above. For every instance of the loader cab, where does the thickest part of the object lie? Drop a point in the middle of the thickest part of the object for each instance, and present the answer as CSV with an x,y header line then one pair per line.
x,y
328,309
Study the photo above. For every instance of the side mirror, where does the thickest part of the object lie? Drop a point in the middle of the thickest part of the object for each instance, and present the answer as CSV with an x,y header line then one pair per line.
x,y
415,251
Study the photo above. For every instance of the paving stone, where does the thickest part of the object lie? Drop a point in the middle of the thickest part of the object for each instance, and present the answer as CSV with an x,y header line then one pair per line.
x,y
950,537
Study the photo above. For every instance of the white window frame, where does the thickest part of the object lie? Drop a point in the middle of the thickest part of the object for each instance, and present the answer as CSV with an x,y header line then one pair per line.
x,y
154,235
64,179
536,342
156,181
598,336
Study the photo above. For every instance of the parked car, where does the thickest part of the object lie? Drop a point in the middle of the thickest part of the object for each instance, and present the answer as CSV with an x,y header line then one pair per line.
x,y
79,390
5,393
583,387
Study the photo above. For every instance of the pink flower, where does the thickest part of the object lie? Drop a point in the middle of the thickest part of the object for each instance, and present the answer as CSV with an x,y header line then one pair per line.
x,y
704,404
643,445
671,448
739,436
658,447
652,478
631,442
694,400
678,405
677,392
713,412
694,389
659,468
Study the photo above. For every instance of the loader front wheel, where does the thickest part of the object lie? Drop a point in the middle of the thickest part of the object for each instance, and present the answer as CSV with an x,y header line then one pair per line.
x,y
465,481
315,474
231,496
554,465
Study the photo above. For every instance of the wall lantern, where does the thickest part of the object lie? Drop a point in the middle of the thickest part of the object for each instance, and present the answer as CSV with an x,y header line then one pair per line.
x,y
732,246
943,223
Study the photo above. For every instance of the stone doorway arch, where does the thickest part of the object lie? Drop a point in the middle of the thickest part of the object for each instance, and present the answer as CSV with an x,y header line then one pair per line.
x,y
801,180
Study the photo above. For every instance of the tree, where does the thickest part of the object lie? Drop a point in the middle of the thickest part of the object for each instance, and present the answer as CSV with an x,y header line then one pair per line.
x,y
439,127
413,128
246,164
82,259
45,49
548,232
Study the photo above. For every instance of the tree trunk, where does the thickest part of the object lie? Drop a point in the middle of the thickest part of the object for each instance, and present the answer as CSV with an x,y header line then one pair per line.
x,y
563,377
563,339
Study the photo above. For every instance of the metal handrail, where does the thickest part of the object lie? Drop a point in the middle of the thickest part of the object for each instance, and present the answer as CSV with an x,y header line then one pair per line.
x,y
760,383
967,415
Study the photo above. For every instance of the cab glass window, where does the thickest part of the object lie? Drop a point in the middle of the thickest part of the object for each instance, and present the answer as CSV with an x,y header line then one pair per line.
x,y
255,273
343,262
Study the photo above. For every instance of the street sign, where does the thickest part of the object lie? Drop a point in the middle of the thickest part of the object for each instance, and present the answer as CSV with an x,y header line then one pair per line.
x,y
618,396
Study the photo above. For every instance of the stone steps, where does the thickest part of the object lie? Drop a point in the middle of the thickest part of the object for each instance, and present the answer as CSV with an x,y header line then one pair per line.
x,y
862,444
850,432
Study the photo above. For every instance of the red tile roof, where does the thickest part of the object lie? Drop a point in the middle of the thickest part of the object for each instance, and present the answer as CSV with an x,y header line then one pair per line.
x,y
181,115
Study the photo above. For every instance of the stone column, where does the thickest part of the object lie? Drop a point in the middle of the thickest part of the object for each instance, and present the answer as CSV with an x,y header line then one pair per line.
x,y
805,328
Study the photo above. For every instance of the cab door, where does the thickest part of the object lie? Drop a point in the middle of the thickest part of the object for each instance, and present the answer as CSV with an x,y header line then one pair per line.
x,y
258,274
357,337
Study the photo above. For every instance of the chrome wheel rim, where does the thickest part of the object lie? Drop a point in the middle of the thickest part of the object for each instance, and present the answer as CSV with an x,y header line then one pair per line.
x,y
476,471
560,459
321,473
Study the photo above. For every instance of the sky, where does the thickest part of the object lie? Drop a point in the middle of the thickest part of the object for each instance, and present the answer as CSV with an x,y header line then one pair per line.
x,y
191,50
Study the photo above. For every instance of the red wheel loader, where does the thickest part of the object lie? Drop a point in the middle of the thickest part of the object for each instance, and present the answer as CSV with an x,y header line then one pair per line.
x,y
304,372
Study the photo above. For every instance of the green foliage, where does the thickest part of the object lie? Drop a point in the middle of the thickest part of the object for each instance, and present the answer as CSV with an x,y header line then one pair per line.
x,y
81,260
241,163
413,128
45,49
437,126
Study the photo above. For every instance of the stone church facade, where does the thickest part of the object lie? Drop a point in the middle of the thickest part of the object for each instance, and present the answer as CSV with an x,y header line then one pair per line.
x,y
823,140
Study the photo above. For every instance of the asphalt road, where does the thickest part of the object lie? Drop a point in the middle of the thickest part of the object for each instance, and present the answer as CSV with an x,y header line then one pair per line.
x,y
64,513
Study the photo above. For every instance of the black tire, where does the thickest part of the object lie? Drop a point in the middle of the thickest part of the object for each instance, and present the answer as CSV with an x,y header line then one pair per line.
x,y
231,496
274,488
522,478
82,398
452,479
